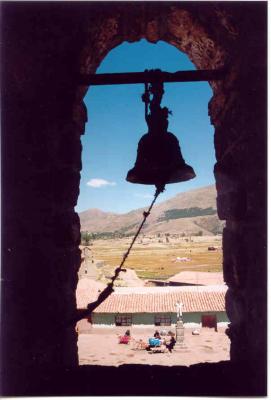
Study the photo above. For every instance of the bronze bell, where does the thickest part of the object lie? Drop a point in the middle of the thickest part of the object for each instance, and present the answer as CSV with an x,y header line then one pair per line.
x,y
159,158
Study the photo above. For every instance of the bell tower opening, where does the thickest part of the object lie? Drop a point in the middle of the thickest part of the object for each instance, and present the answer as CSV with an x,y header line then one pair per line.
x,y
171,251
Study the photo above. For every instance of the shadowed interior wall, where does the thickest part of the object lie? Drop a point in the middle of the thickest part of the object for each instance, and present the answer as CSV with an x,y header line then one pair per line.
x,y
45,48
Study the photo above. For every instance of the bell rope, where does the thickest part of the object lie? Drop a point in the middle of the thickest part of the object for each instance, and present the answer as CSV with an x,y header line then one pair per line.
x,y
109,288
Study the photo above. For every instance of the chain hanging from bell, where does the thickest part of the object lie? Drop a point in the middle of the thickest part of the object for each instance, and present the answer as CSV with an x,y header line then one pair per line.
x,y
159,158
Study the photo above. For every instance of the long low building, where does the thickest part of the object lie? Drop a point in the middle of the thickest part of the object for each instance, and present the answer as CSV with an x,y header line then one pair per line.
x,y
156,306
197,278
190,278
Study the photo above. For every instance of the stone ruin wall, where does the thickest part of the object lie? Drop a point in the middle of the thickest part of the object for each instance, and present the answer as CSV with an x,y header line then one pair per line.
x,y
44,117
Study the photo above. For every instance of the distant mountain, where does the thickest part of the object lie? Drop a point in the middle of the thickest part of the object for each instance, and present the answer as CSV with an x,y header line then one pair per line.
x,y
186,213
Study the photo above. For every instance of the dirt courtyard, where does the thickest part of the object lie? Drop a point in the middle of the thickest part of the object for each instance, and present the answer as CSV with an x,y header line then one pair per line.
x,y
100,347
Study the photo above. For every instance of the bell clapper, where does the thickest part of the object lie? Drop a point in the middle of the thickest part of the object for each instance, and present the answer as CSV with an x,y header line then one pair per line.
x,y
160,187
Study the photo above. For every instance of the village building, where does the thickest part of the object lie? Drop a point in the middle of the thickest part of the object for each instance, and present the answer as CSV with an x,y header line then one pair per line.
x,y
190,278
203,306
198,278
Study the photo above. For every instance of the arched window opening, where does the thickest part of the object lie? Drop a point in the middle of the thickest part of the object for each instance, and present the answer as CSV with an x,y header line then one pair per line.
x,y
179,250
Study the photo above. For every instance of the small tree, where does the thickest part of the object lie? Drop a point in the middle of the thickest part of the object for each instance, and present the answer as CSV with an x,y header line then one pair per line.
x,y
85,238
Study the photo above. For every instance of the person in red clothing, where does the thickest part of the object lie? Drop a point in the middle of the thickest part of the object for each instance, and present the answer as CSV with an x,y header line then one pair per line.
x,y
125,339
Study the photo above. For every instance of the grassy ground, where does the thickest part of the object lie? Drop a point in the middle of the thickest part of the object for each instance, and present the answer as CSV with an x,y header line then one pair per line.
x,y
154,258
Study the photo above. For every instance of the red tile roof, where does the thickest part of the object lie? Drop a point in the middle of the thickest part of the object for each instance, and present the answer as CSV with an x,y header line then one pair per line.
x,y
198,278
164,301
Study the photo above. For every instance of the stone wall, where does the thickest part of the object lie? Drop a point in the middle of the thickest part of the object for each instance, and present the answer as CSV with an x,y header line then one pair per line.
x,y
42,162
45,48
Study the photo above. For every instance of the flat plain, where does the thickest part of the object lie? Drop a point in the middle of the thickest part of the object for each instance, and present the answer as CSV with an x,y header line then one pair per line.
x,y
155,257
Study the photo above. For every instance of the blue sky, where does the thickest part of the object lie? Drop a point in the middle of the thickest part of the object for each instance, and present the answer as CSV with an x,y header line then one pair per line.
x,y
116,123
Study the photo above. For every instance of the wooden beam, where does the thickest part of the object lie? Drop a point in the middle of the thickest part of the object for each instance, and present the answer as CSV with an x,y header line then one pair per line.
x,y
152,77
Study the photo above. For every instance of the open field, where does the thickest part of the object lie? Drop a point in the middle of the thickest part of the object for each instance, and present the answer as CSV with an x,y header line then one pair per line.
x,y
100,347
155,258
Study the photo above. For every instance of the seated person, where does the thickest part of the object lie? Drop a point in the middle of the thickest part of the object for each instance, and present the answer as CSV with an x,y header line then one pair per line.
x,y
125,339
171,343
140,344
154,342
157,335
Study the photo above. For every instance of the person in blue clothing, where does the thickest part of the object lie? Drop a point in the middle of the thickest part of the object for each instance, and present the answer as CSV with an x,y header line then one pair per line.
x,y
155,341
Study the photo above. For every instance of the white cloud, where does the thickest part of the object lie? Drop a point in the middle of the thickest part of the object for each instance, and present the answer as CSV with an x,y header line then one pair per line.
x,y
98,182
